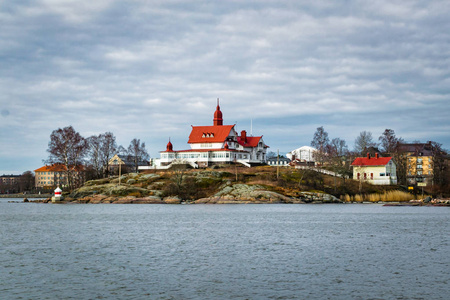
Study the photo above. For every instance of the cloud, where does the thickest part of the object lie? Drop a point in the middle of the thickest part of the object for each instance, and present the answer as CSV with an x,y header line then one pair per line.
x,y
151,70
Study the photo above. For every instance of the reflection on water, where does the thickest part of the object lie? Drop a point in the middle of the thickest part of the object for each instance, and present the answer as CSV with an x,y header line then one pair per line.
x,y
223,251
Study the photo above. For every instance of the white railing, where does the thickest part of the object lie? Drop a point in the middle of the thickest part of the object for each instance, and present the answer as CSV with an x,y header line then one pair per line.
x,y
323,171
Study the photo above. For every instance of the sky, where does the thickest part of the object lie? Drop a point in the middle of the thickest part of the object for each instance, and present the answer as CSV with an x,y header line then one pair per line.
x,y
151,69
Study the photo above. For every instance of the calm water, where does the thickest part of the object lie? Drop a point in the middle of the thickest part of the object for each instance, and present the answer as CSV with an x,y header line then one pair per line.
x,y
223,252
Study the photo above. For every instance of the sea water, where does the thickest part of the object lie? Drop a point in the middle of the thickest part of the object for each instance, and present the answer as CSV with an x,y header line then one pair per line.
x,y
271,251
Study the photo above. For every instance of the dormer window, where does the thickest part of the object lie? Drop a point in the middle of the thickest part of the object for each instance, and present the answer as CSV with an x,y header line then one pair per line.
x,y
208,135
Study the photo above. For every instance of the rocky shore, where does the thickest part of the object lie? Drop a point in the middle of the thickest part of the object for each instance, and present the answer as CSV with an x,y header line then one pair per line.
x,y
207,187
233,194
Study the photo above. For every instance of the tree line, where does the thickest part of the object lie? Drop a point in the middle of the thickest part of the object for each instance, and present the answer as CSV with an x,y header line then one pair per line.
x,y
336,154
70,149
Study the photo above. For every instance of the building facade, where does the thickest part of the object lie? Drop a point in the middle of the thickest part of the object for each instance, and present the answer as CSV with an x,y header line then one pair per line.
x,y
375,170
419,162
216,144
278,161
49,177
302,154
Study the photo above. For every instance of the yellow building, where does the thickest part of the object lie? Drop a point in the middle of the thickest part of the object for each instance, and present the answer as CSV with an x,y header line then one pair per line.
x,y
54,175
375,170
419,162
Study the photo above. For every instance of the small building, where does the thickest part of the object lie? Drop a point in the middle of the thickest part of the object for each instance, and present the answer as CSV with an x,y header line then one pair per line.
x,y
375,170
303,154
278,161
126,162
9,183
9,179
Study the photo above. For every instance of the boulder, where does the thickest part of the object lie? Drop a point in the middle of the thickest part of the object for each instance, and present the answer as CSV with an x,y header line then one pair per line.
x,y
172,200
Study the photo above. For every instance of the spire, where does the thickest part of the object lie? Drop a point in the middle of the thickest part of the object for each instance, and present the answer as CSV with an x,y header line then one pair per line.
x,y
169,147
218,121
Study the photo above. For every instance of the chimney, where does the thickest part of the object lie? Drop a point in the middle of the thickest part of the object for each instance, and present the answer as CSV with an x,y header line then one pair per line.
x,y
368,155
376,155
244,136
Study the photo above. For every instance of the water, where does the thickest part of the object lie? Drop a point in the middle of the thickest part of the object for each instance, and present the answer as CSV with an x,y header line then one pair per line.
x,y
223,251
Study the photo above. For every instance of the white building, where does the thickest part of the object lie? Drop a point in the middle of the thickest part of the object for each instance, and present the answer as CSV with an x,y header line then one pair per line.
x,y
217,144
375,170
304,153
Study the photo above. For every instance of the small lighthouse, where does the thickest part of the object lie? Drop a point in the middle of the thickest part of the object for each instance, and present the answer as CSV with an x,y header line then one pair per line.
x,y
58,195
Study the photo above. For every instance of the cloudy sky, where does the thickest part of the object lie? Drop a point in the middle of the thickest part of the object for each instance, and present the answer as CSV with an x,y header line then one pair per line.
x,y
151,69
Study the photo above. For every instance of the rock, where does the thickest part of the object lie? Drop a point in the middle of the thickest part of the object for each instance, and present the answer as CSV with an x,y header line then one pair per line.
x,y
172,200
149,176
427,199
26,200
97,199
131,181
148,200
203,201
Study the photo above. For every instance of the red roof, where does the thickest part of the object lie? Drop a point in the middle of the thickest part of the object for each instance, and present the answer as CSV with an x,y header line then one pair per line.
x,y
56,168
250,141
209,134
373,161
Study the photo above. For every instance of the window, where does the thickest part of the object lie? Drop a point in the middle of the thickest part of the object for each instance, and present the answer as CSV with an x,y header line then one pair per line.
x,y
358,176
371,176
382,174
365,176
419,172
419,166
419,160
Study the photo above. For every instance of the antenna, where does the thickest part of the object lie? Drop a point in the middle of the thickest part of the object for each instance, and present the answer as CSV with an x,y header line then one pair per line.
x,y
251,127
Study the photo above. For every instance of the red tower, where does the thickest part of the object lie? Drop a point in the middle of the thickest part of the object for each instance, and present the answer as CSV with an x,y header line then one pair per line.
x,y
169,147
218,121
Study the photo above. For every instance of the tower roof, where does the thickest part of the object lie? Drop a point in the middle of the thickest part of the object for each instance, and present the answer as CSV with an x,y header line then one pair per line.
x,y
218,120
169,147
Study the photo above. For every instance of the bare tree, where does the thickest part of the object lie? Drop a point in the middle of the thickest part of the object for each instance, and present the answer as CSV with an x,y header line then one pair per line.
x,y
26,181
389,141
108,149
363,142
337,153
320,142
102,148
94,148
137,153
441,176
68,147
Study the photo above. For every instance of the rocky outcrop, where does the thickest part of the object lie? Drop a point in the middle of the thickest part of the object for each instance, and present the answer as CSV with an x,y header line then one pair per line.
x,y
108,189
243,193
309,197
100,199
257,194
152,189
